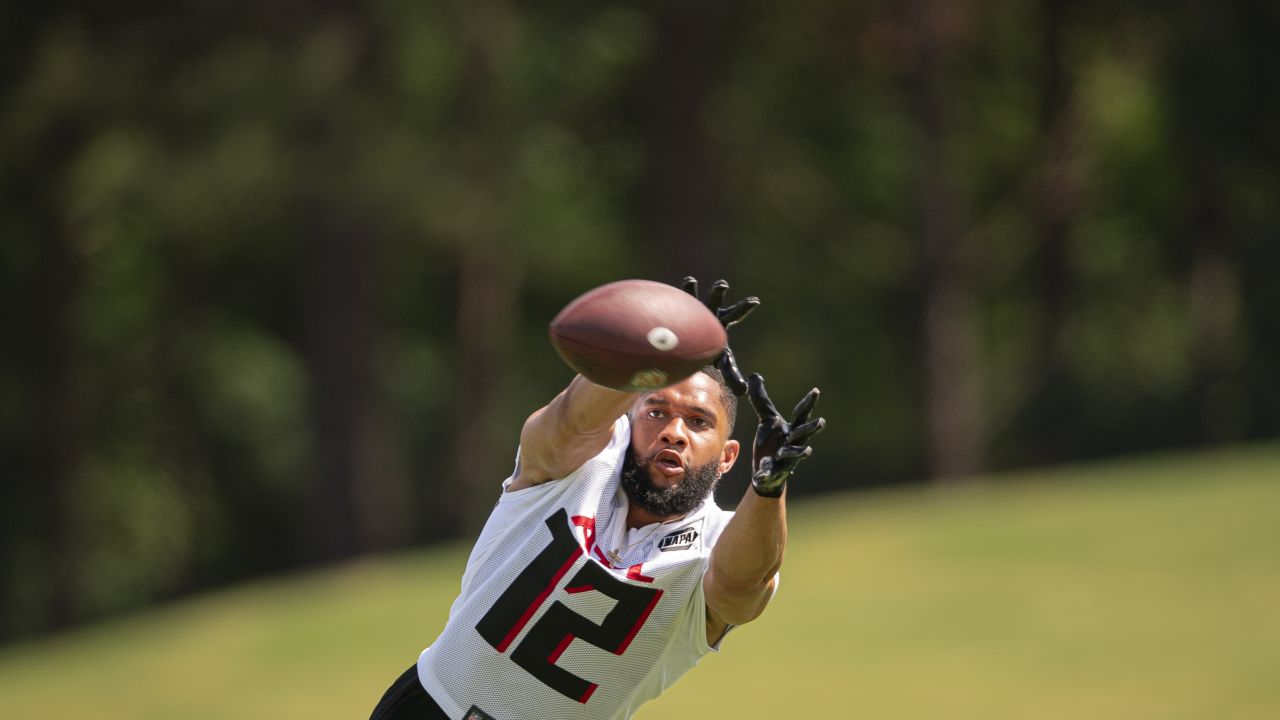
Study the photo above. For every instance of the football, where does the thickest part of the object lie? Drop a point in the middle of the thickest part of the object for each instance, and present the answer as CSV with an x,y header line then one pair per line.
x,y
637,335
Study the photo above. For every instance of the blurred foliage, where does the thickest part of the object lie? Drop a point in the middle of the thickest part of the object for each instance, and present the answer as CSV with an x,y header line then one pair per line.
x,y
254,255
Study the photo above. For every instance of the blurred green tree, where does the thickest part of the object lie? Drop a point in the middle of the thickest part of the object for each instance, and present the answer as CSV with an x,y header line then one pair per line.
x,y
276,277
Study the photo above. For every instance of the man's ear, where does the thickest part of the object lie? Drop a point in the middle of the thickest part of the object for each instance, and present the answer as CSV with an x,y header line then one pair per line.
x,y
729,455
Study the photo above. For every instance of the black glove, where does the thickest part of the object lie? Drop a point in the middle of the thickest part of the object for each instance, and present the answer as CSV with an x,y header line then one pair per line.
x,y
779,445
728,317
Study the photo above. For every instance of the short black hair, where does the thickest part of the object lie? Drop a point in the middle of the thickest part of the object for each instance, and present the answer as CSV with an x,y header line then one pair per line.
x,y
728,400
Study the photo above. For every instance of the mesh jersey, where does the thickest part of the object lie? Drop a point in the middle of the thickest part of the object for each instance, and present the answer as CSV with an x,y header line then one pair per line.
x,y
547,627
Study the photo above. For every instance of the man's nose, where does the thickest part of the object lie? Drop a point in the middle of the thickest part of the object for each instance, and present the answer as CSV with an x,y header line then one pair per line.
x,y
674,433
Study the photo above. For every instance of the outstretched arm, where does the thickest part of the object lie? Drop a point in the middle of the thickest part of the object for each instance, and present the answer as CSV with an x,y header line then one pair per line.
x,y
740,577
746,559
570,430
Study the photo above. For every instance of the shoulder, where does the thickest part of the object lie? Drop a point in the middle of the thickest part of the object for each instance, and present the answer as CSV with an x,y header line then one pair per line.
x,y
715,520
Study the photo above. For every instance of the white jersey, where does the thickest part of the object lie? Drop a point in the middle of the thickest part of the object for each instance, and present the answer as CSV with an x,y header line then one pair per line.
x,y
564,614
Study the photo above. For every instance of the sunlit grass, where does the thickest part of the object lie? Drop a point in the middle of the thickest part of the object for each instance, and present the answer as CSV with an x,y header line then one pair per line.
x,y
1136,589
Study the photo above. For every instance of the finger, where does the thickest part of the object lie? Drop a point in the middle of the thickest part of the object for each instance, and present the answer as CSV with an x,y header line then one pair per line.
x,y
768,438
728,365
690,285
736,312
764,470
799,435
772,481
793,452
800,415
760,398
715,295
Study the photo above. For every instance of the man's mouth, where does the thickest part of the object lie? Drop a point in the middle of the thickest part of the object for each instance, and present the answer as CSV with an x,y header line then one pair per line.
x,y
669,462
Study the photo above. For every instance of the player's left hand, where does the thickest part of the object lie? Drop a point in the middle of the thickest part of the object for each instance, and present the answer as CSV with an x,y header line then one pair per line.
x,y
779,445
728,317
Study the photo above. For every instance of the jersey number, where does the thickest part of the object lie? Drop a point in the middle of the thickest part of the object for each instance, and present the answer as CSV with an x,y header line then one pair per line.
x,y
547,639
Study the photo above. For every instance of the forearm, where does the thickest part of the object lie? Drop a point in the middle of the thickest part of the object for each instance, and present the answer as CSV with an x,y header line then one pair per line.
x,y
584,408
740,575
746,557
568,431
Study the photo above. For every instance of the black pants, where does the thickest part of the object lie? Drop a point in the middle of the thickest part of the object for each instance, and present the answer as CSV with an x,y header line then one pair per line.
x,y
407,700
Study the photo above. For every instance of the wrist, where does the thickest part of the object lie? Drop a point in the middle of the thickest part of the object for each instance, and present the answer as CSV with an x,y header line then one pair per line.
x,y
768,491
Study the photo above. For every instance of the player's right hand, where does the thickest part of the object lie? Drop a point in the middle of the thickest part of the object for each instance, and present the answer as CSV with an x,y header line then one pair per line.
x,y
728,317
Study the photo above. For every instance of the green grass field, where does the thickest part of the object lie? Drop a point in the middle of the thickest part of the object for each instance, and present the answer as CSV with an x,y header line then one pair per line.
x,y
1138,589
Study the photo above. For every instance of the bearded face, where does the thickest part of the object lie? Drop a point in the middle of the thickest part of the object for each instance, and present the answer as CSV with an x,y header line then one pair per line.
x,y
680,499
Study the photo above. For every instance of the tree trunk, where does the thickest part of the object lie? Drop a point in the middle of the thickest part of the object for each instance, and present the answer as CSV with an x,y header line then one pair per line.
x,y
1215,309
338,318
1206,47
57,425
488,276
1044,385
487,294
361,498
59,446
953,390
689,235
1056,191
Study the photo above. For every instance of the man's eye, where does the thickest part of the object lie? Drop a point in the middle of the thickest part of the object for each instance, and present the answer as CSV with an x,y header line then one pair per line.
x,y
700,422
655,413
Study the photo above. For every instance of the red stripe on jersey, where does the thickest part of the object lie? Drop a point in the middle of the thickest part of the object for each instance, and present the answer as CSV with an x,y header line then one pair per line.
x,y
560,648
587,695
537,602
633,573
636,628
580,588
588,525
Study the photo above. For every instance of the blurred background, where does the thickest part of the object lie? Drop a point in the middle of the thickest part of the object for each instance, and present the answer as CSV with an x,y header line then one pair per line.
x,y
276,276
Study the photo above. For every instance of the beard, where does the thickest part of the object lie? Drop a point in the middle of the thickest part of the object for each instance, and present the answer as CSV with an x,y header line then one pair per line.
x,y
696,486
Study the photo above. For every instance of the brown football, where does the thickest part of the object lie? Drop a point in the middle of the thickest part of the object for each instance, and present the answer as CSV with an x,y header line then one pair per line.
x,y
637,335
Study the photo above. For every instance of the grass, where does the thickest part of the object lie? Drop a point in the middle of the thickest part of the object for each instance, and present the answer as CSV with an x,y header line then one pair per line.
x,y
1144,588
